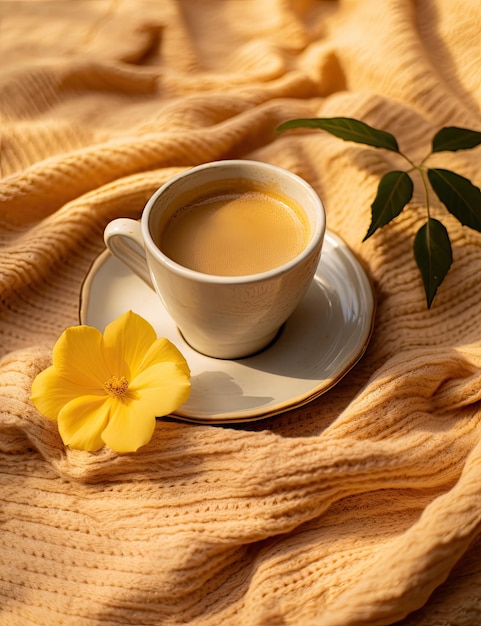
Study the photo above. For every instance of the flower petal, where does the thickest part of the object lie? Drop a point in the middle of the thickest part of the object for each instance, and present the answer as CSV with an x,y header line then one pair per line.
x,y
156,391
161,388
130,426
125,341
81,422
51,392
77,356
164,350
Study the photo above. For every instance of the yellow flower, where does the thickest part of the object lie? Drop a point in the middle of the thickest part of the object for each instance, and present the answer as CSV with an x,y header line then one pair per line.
x,y
108,389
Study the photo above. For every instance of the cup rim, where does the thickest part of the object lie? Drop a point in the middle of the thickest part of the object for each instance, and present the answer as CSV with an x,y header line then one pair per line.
x,y
315,241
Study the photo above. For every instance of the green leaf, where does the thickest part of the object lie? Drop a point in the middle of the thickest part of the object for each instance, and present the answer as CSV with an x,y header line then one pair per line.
x,y
433,254
459,195
348,129
454,138
394,192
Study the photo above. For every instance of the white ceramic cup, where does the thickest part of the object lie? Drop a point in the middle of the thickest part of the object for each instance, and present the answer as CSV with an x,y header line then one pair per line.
x,y
227,317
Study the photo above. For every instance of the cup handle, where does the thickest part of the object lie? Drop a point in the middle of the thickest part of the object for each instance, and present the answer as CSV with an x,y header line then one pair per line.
x,y
123,237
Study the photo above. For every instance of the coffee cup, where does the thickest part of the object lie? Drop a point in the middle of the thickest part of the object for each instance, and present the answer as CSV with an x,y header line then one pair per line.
x,y
230,247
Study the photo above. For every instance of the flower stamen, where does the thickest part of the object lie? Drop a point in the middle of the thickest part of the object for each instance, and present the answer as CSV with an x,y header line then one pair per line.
x,y
116,387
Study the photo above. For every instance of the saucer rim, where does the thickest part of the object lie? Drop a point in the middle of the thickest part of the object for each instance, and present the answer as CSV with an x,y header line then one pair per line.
x,y
237,417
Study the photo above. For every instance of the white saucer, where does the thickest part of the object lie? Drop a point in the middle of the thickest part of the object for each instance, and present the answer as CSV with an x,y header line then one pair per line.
x,y
323,339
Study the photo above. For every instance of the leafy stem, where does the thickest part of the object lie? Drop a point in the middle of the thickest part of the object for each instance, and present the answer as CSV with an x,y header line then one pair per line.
x,y
411,163
426,189
432,246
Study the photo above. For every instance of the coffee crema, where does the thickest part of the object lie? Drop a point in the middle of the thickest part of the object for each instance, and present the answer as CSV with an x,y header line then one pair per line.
x,y
240,229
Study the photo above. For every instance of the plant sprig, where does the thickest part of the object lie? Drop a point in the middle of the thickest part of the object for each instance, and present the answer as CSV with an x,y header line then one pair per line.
x,y
432,246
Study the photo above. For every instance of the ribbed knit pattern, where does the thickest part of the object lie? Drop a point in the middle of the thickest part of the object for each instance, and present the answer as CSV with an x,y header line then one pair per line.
x,y
361,508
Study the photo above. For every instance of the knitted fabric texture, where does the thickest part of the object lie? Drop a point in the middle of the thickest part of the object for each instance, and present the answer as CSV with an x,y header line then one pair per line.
x,y
362,507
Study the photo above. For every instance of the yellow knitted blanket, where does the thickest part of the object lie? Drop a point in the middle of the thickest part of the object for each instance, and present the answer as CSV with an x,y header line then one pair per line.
x,y
362,507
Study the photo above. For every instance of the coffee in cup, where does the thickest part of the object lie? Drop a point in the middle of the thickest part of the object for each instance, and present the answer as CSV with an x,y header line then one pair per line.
x,y
230,247
238,228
